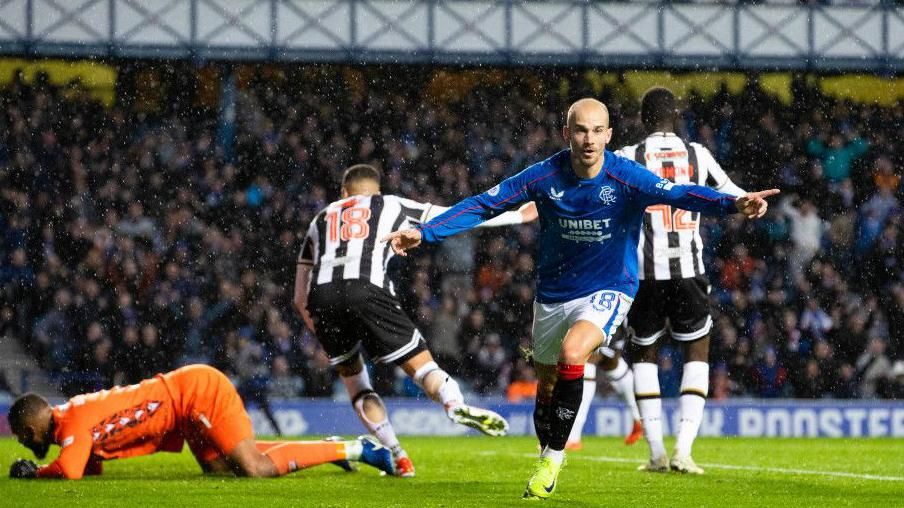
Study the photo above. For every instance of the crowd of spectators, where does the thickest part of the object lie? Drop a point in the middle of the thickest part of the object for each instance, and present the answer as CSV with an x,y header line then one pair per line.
x,y
132,242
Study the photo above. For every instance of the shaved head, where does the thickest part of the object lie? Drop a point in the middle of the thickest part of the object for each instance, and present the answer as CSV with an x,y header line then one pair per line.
x,y
587,131
587,107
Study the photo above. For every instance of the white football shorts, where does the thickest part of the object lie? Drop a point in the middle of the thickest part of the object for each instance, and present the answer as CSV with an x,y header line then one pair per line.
x,y
606,309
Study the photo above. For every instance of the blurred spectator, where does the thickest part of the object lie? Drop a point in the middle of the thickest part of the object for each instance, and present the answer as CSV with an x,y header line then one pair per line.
x,y
283,383
523,386
153,357
873,368
845,387
812,383
885,178
894,309
318,375
737,270
5,387
769,377
128,358
838,155
806,232
132,245
721,383
252,374
814,321
492,362
55,337
893,388
443,337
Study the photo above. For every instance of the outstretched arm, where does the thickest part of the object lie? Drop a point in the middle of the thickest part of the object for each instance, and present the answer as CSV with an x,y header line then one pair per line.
x,y
526,213
468,213
721,181
696,198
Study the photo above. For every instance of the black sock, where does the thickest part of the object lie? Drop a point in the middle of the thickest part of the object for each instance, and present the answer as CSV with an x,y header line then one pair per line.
x,y
541,422
566,399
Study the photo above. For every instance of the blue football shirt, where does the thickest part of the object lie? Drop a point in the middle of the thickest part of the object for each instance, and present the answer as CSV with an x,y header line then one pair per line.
x,y
589,228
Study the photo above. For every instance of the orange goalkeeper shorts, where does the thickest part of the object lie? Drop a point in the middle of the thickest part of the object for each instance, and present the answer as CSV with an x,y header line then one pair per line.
x,y
212,417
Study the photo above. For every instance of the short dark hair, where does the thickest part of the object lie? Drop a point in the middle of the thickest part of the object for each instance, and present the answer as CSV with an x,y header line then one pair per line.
x,y
658,107
25,408
360,172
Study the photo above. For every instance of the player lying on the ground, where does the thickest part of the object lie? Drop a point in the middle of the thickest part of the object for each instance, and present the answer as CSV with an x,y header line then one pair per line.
x,y
621,378
196,404
344,295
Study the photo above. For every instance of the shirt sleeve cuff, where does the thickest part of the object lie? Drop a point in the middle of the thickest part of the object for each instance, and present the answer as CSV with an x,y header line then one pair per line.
x,y
728,205
427,235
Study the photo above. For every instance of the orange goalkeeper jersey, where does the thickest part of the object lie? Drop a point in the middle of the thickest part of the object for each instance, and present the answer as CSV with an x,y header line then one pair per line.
x,y
121,422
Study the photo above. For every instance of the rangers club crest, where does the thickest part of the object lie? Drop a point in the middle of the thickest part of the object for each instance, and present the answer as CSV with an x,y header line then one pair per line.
x,y
564,413
607,195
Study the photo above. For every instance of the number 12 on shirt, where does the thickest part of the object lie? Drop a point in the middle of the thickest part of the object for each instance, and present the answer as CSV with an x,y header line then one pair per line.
x,y
673,219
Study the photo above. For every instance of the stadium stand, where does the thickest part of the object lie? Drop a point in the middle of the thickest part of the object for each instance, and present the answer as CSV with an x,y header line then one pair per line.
x,y
132,244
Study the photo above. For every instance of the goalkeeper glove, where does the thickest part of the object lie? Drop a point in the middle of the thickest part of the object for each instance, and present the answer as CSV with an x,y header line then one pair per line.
x,y
23,469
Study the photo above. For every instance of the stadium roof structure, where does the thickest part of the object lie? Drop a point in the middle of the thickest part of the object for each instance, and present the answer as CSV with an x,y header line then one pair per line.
x,y
468,32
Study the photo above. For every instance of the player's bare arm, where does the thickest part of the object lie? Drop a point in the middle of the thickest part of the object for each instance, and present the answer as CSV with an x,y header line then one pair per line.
x,y
528,212
300,298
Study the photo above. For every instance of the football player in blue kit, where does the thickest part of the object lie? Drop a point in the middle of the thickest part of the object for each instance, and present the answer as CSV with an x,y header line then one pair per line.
x,y
591,204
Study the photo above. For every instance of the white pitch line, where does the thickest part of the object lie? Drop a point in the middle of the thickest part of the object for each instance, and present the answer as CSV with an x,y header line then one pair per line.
x,y
836,474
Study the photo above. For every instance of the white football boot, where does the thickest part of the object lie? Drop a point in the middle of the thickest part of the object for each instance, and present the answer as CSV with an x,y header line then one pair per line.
x,y
685,465
658,465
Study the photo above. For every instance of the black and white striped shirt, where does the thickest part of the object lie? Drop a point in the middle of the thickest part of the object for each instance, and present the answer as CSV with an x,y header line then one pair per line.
x,y
670,246
342,242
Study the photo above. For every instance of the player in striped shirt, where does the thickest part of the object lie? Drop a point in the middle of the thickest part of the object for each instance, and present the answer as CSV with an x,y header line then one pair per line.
x,y
674,292
344,296
591,204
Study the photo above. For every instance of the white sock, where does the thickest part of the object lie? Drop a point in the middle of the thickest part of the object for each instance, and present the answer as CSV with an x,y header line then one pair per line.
x,y
589,392
558,456
649,402
386,434
360,383
622,380
694,389
439,385
353,450
449,393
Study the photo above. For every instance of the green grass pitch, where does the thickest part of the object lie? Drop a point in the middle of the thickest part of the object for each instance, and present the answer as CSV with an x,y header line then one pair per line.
x,y
485,472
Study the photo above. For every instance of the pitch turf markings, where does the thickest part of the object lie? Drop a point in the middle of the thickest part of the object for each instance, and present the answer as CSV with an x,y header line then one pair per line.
x,y
734,467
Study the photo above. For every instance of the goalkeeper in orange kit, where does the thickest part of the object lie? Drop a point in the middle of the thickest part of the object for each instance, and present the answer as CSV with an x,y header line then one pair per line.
x,y
196,404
